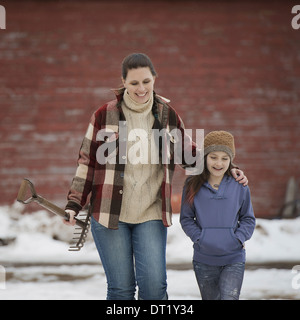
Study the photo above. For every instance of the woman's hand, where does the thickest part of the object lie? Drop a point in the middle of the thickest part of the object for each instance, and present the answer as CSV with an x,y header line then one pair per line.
x,y
239,176
71,221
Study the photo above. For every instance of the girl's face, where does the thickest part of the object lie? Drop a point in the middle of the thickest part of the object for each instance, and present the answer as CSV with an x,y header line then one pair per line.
x,y
217,163
139,84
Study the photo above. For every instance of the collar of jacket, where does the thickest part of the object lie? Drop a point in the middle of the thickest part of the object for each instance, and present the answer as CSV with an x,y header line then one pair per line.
x,y
118,92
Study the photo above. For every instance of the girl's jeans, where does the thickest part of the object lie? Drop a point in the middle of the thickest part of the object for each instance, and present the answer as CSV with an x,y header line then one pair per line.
x,y
134,253
219,282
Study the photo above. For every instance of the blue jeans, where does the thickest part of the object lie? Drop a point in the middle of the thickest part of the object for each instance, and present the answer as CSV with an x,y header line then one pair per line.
x,y
133,254
219,282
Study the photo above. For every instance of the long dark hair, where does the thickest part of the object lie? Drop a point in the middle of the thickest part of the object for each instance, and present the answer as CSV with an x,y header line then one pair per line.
x,y
194,183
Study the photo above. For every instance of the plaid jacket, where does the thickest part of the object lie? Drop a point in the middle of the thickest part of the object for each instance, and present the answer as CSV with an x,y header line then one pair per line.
x,y
103,183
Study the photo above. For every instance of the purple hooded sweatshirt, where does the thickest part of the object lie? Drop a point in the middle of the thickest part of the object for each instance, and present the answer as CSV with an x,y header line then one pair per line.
x,y
219,222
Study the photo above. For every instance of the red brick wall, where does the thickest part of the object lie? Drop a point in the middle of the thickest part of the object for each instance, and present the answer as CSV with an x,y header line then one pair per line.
x,y
232,65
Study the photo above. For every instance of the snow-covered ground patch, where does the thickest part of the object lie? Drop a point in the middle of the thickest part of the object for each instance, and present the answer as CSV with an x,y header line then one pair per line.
x,y
38,264
42,237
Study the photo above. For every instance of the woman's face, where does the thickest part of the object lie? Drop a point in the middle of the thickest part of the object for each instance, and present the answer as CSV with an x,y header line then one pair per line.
x,y
139,84
217,163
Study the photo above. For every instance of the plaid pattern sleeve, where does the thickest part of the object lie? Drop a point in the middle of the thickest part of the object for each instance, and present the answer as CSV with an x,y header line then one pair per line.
x,y
101,183
170,121
82,183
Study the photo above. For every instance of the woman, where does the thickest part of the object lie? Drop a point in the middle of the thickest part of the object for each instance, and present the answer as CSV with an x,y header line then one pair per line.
x,y
217,215
130,200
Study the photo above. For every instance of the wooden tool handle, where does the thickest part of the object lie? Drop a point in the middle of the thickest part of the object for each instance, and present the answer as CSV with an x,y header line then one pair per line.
x,y
57,210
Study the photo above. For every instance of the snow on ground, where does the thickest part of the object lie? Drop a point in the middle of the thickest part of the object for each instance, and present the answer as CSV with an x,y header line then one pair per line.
x,y
38,265
88,283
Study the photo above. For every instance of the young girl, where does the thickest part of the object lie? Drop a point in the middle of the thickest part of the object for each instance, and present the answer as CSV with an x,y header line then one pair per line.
x,y
217,215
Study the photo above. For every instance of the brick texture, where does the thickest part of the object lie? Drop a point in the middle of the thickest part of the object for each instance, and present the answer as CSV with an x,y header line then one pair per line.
x,y
231,65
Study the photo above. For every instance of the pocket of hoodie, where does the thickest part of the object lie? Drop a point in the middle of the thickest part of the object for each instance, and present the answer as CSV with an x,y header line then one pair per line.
x,y
218,241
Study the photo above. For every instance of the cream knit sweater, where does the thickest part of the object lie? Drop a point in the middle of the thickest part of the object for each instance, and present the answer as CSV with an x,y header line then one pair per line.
x,y
142,180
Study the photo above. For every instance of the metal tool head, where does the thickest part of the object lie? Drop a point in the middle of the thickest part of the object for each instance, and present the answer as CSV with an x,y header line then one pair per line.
x,y
80,237
26,192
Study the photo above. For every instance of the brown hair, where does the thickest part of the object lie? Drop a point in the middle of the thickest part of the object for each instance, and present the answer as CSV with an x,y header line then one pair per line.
x,y
135,61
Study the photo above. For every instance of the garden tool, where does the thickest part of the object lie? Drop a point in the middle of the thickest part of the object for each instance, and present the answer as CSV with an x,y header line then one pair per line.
x,y
83,223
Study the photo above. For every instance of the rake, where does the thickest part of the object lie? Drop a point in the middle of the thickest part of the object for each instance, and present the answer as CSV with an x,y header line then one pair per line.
x,y
83,224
